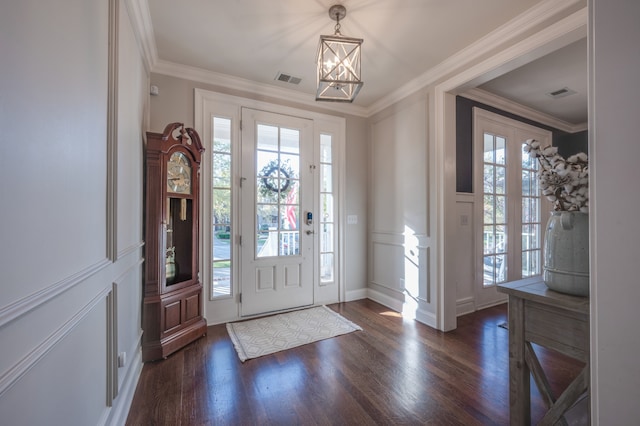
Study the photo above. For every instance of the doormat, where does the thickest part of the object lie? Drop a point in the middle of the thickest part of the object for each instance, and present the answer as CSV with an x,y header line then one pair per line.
x,y
264,336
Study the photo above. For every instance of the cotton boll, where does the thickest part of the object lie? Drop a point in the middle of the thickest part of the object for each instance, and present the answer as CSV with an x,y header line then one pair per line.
x,y
562,172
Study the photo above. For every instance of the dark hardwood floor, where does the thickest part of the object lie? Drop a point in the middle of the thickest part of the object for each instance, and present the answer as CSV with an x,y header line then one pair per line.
x,y
394,372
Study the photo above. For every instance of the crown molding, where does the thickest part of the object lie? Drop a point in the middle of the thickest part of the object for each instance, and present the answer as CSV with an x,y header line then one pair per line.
x,y
521,24
230,82
140,18
504,104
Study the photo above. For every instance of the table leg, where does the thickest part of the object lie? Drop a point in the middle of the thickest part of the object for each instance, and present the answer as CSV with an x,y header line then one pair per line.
x,y
519,375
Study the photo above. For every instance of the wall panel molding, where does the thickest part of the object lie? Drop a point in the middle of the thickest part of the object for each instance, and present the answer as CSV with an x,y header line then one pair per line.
x,y
388,237
131,249
21,307
112,345
22,367
112,133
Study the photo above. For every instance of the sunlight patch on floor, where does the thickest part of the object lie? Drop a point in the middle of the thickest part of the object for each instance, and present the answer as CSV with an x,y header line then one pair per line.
x,y
409,308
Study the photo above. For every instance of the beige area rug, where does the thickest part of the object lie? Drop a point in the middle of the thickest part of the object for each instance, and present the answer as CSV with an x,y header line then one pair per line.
x,y
263,336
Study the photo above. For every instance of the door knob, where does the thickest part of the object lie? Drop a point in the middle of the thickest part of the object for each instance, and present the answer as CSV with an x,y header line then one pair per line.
x,y
310,232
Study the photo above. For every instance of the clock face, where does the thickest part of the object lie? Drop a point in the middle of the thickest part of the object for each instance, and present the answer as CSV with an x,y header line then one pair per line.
x,y
179,174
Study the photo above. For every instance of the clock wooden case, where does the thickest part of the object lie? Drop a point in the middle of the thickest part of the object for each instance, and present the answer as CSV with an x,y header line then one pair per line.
x,y
172,306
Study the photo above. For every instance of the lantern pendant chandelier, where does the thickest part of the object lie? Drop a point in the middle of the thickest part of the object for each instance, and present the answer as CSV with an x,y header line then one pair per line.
x,y
339,77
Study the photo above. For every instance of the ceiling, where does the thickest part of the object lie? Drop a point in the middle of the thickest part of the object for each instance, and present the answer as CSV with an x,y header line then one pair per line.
x,y
530,85
255,40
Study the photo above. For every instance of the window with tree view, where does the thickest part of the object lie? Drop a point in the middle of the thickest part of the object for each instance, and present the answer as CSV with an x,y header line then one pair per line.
x,y
531,217
495,210
327,224
512,207
222,214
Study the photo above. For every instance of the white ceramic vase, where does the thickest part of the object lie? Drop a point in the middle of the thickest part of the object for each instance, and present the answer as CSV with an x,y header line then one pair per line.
x,y
566,253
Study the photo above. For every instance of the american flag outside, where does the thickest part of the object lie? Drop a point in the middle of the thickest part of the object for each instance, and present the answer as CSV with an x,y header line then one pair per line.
x,y
291,207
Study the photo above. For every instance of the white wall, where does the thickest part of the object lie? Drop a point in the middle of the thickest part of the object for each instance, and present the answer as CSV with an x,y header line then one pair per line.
x,y
398,213
133,117
66,308
356,196
614,56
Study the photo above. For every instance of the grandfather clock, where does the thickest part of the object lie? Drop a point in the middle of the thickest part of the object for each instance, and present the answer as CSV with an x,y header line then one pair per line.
x,y
172,306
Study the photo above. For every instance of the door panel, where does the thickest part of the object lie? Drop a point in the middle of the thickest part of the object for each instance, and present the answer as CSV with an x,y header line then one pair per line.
x,y
277,247
509,207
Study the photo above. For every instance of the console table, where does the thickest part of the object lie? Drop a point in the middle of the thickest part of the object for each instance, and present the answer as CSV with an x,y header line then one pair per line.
x,y
553,320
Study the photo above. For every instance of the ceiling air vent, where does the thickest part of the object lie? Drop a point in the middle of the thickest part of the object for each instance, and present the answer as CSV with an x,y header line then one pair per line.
x,y
561,93
288,78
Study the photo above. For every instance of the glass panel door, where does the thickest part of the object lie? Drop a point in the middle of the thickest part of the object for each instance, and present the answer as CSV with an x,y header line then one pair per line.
x,y
495,231
277,195
531,217
278,213
509,207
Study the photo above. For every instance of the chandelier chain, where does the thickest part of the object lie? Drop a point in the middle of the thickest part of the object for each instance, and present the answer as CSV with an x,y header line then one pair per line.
x,y
337,29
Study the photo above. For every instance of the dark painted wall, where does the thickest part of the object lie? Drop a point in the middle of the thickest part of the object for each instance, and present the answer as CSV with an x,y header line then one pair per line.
x,y
567,143
571,143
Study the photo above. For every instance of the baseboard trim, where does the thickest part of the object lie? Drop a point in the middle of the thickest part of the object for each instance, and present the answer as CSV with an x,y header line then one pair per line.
x,y
352,295
493,303
122,404
427,318
465,306
385,300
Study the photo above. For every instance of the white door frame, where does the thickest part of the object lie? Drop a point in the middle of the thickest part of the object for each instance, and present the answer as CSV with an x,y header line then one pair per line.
x,y
481,65
207,104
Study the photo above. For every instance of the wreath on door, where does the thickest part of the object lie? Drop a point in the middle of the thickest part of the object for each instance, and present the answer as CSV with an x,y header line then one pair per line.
x,y
276,179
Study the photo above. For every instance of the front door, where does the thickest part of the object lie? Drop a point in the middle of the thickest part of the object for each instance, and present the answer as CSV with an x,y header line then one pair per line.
x,y
277,212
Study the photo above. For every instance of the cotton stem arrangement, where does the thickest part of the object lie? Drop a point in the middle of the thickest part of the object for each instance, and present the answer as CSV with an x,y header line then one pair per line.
x,y
565,182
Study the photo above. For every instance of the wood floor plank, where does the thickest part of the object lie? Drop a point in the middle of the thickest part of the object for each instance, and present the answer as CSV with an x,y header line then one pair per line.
x,y
396,371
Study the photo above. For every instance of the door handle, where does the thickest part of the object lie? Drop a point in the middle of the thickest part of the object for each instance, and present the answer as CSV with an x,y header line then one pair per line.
x,y
309,232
